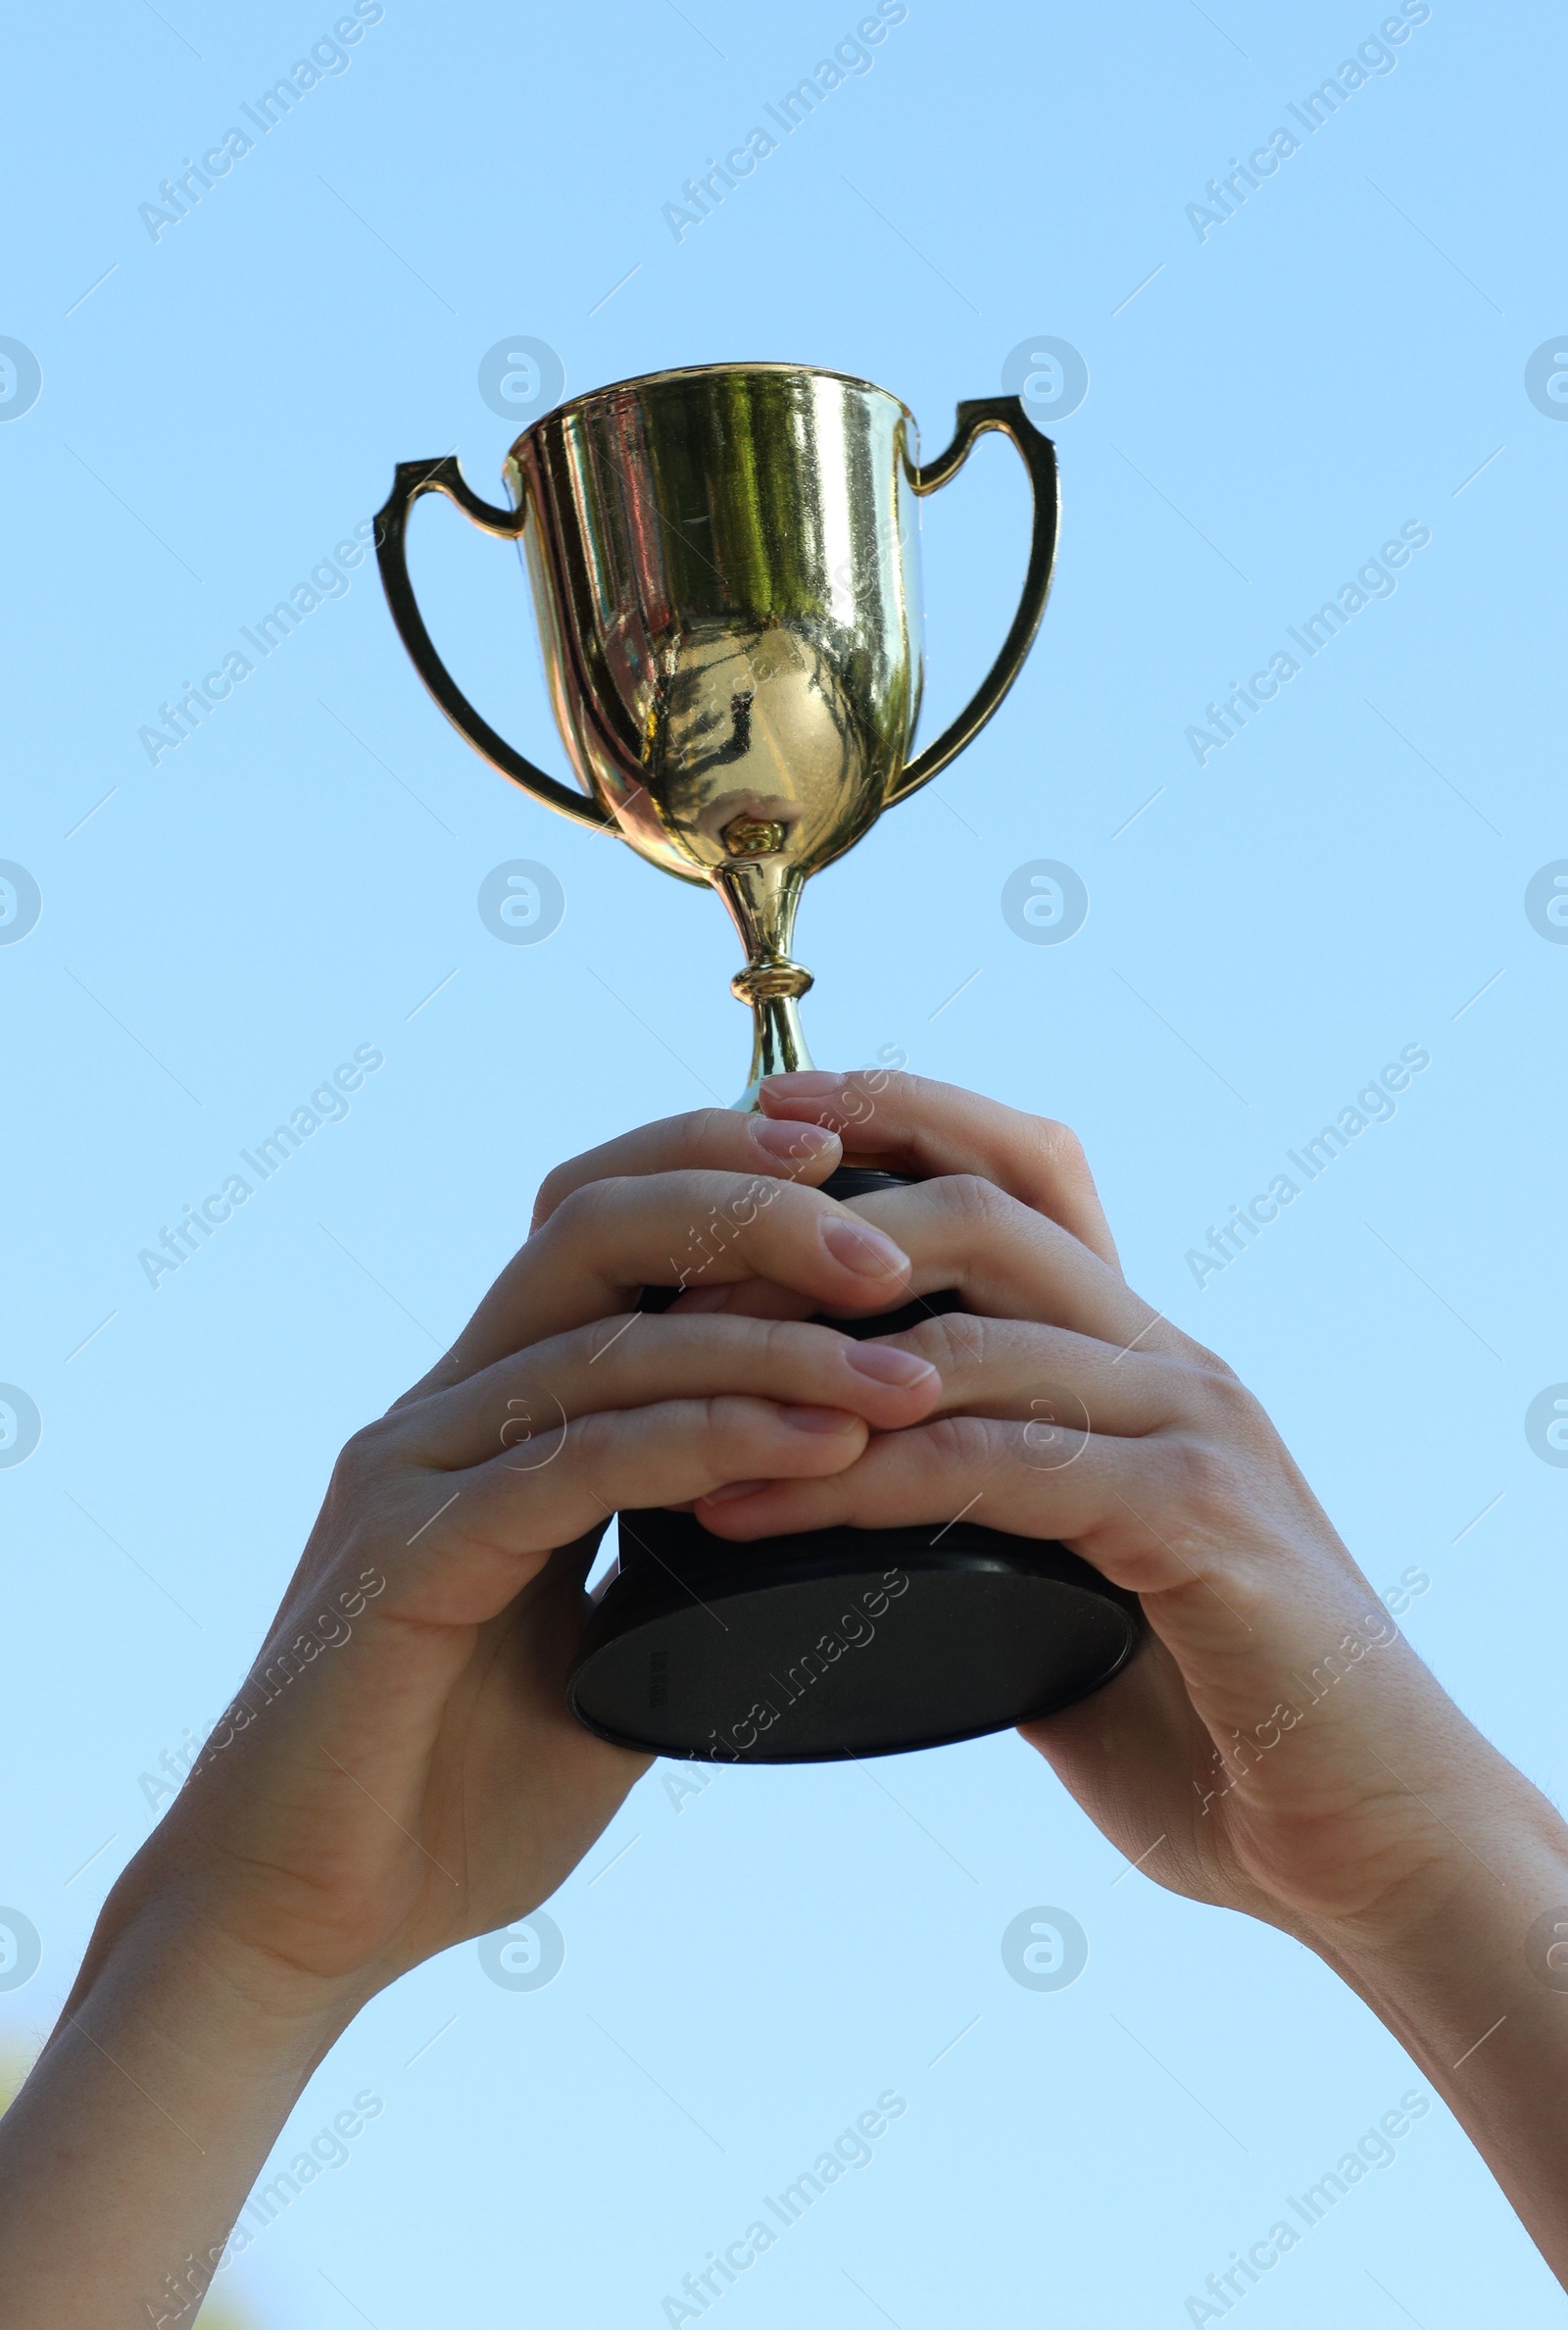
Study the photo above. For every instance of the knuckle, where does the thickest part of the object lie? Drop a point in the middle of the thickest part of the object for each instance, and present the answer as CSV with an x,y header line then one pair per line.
x,y
788,1345
1200,1474
858,1094
891,1083
964,1441
1060,1147
727,1424
1208,1364
583,1208
362,1455
702,1135
1227,1399
958,1343
589,1437
550,1192
370,1480
977,1202
934,1341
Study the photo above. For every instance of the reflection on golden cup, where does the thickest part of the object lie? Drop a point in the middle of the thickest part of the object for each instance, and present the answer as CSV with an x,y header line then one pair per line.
x,y
725,569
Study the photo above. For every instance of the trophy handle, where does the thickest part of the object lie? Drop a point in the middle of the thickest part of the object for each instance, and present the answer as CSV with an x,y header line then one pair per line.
x,y
413,478
1005,413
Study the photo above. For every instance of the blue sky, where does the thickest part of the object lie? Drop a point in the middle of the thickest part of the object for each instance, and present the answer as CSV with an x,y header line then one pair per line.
x,y
1274,393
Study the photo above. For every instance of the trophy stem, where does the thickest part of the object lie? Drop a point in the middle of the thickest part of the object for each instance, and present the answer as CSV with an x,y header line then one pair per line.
x,y
778,1043
762,898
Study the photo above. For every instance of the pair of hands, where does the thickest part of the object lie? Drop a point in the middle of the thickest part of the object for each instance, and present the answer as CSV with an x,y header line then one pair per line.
x,y
401,1772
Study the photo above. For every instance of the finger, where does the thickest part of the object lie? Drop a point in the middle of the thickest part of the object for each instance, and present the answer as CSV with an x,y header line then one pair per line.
x,y
1042,1375
1104,1497
1046,1378
722,1140
642,1359
966,1235
909,1124
489,1530
607,1239
1008,1262
1158,1515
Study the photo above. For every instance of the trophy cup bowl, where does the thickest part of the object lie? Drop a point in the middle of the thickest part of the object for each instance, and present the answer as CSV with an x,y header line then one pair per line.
x,y
724,563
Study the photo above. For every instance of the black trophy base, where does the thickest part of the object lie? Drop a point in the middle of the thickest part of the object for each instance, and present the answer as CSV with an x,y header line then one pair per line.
x,y
839,1642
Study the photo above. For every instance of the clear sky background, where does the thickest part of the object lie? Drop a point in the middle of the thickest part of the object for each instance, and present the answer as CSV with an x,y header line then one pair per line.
x,y
1271,398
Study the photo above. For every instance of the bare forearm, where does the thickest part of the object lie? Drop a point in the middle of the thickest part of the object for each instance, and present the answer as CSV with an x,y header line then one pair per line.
x,y
147,2117
1470,1992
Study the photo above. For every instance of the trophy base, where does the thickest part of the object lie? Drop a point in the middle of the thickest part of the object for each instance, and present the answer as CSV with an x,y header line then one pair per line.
x,y
839,1642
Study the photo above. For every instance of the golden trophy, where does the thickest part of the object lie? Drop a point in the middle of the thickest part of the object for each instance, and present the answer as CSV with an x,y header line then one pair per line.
x,y
725,561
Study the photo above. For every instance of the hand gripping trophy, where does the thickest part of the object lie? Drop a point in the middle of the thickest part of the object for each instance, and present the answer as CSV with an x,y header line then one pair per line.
x,y
726,573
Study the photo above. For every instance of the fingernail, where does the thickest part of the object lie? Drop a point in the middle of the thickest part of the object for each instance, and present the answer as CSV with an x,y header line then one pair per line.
x,y
704,1298
819,1420
802,1143
733,1488
861,1248
885,1363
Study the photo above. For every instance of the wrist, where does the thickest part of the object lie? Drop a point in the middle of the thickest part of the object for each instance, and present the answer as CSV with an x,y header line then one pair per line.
x,y
1497,1857
177,2060
168,1953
